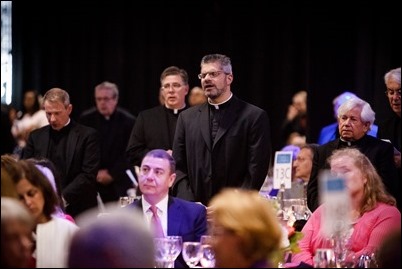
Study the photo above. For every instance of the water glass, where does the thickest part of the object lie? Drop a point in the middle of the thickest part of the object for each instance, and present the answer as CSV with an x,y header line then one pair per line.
x,y
167,249
191,253
324,258
207,253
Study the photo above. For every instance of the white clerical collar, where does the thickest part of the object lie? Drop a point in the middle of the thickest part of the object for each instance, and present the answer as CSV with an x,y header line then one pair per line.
x,y
175,110
67,122
217,105
347,142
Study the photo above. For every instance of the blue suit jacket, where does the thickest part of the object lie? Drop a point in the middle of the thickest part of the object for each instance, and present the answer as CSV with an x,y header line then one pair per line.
x,y
187,219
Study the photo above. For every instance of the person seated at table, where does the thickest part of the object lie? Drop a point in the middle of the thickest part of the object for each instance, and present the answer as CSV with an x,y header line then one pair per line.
x,y
51,234
16,234
117,239
177,216
373,211
245,230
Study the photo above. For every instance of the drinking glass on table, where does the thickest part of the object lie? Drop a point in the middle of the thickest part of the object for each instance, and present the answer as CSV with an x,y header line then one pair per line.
x,y
191,253
207,253
167,249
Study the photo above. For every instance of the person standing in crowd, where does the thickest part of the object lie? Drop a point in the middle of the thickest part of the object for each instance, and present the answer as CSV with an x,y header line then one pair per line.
x,y
196,96
391,128
31,117
155,127
223,143
177,216
355,118
73,148
331,132
372,214
295,124
114,125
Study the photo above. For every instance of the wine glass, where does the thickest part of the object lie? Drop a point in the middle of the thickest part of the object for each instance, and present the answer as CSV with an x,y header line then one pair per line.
x,y
191,253
167,249
207,253
324,258
174,245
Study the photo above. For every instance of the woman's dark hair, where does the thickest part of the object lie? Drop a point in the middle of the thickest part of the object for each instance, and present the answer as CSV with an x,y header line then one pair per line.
x,y
44,162
39,180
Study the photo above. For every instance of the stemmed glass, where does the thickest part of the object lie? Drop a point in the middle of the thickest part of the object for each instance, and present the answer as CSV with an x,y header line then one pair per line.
x,y
207,253
191,253
167,249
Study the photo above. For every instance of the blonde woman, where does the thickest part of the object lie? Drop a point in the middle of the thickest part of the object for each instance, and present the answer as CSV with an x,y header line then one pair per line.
x,y
245,229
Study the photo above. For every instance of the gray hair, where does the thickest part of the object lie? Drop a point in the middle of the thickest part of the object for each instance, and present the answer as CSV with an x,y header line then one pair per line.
x,y
367,114
393,75
222,59
108,86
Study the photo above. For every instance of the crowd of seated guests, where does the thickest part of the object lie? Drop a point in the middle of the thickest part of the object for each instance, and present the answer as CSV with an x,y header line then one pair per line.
x,y
368,170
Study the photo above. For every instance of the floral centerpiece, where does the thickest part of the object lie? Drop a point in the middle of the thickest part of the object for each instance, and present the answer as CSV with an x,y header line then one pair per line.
x,y
290,237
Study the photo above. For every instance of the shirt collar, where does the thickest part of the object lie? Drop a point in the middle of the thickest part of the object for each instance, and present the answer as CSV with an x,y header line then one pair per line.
x,y
162,205
220,104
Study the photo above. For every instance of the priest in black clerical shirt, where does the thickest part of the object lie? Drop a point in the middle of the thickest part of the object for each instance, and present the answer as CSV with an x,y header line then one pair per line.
x,y
355,118
72,147
155,127
114,125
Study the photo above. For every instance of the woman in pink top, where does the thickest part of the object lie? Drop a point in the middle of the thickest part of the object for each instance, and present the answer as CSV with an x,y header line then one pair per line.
x,y
373,211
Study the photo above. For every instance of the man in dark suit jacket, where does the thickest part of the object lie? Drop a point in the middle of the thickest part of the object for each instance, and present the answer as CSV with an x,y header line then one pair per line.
x,y
390,128
177,216
155,127
73,148
355,117
114,125
223,143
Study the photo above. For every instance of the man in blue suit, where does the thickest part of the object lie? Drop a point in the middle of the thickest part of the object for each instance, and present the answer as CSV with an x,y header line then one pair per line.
x,y
177,216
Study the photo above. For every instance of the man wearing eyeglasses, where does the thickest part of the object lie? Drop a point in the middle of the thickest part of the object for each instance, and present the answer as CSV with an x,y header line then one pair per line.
x,y
155,127
222,143
114,125
390,128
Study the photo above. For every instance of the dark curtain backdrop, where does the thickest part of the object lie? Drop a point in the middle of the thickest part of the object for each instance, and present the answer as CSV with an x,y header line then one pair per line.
x,y
277,48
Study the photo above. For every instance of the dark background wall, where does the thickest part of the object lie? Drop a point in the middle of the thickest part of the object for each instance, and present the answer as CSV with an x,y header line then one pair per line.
x,y
277,48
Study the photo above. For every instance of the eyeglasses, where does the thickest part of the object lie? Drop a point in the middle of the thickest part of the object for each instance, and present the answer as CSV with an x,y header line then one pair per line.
x,y
106,99
390,92
175,86
212,74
